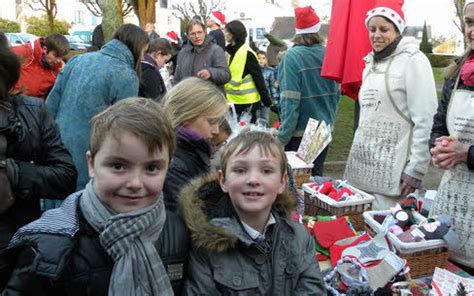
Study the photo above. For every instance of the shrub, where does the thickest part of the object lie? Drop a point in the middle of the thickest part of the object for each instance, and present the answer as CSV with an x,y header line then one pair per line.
x,y
7,26
39,26
440,60
425,45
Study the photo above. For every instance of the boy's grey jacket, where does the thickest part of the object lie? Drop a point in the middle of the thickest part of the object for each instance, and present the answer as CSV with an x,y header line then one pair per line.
x,y
192,59
225,261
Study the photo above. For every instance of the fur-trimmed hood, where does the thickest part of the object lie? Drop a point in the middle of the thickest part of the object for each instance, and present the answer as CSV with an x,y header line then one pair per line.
x,y
209,214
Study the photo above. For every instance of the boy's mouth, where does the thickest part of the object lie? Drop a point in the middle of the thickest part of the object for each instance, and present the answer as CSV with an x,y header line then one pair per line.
x,y
252,193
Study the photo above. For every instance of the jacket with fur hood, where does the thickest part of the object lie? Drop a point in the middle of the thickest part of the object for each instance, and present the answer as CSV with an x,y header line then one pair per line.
x,y
224,259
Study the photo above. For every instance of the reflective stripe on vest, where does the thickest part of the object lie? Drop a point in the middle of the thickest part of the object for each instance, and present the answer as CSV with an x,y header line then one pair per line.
x,y
241,90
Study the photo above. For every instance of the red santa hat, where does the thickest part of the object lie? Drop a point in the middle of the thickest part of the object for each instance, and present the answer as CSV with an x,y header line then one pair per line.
x,y
218,17
306,20
392,10
172,37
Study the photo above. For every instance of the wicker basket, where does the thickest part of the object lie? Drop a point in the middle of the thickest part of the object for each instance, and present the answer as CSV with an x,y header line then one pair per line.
x,y
301,170
319,204
422,257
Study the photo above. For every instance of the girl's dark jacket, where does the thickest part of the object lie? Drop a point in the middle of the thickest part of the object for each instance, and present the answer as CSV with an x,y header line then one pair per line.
x,y
439,121
191,159
225,261
51,265
38,166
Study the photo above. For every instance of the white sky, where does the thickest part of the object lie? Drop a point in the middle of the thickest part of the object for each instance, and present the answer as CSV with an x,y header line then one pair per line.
x,y
437,13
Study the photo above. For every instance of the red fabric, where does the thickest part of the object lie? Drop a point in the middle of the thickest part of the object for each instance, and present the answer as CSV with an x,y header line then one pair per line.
x,y
348,43
467,72
172,36
219,16
305,17
336,250
391,9
395,5
328,232
35,80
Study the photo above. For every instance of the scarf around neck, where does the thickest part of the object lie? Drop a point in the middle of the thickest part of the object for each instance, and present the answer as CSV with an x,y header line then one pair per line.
x,y
388,50
129,239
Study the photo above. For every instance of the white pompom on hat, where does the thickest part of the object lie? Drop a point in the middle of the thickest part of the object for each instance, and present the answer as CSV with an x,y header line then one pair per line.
x,y
306,20
392,10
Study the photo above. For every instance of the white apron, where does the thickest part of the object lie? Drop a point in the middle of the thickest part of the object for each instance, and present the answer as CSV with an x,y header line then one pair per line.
x,y
380,149
456,190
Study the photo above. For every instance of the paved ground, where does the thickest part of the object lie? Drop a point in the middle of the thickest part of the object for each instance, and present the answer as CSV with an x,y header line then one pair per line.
x,y
335,169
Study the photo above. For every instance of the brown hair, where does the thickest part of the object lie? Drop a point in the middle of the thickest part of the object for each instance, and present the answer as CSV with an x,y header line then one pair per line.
x,y
309,39
247,141
193,22
160,44
142,117
135,39
57,43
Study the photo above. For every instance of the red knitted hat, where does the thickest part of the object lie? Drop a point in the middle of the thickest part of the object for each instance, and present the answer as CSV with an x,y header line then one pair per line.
x,y
391,9
306,20
218,17
172,37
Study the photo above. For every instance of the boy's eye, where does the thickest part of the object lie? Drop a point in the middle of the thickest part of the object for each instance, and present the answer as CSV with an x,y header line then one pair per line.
x,y
268,170
117,166
238,170
153,168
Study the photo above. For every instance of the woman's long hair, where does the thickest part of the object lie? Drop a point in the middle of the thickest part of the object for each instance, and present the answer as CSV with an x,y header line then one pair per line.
x,y
308,39
135,39
238,31
9,68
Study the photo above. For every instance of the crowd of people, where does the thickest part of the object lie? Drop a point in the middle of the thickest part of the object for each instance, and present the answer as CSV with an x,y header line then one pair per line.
x,y
148,196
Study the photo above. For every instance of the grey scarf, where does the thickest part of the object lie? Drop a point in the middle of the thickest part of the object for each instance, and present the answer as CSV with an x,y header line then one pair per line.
x,y
129,239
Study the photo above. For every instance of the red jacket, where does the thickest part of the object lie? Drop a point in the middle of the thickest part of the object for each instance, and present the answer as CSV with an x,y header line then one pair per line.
x,y
36,80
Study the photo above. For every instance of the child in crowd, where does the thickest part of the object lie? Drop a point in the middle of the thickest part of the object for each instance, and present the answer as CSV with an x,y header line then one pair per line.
x,y
269,78
196,108
219,141
114,237
243,241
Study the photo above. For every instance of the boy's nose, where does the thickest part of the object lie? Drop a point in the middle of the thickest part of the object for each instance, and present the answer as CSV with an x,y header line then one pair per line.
x,y
135,182
253,178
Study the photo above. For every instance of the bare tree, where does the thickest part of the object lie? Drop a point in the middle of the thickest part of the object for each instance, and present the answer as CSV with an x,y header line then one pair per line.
x,y
188,10
145,11
94,7
48,6
459,5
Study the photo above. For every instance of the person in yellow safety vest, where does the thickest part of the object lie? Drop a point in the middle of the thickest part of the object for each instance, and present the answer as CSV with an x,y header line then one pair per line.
x,y
246,87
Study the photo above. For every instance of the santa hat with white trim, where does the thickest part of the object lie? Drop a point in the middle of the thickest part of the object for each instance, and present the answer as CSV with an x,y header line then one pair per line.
x,y
306,20
171,36
218,17
467,3
392,10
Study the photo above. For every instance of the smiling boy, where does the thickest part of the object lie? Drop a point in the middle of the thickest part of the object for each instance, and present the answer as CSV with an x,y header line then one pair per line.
x,y
114,237
243,243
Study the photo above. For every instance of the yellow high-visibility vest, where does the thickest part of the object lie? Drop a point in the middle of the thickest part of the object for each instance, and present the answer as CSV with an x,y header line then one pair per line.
x,y
241,90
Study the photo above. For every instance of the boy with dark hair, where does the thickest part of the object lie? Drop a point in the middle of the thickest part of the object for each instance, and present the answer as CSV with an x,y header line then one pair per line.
x,y
114,237
243,241
42,61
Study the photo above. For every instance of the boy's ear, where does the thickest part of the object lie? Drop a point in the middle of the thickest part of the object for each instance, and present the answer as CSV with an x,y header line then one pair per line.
x,y
90,164
221,179
283,182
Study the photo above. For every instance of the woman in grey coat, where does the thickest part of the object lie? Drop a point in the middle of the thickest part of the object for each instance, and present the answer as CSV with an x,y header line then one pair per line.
x,y
201,57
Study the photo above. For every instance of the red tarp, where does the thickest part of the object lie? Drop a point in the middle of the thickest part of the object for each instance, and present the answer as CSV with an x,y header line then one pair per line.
x,y
348,43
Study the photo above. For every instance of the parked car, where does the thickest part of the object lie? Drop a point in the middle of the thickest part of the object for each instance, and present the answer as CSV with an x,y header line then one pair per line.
x,y
76,43
17,39
86,36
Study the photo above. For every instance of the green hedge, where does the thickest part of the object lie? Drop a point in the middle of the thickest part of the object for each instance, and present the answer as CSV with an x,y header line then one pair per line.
x,y
439,60
7,26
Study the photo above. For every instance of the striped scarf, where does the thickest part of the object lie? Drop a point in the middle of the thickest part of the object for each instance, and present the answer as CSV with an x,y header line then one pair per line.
x,y
129,239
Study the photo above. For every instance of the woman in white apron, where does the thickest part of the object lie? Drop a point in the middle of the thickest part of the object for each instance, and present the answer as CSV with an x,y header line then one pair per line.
x,y
389,155
453,139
